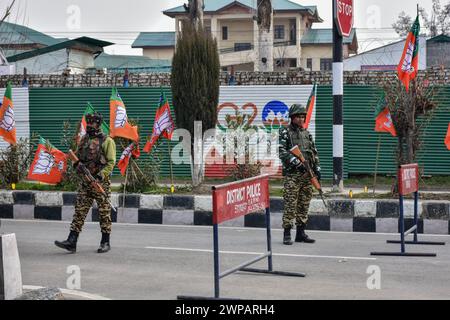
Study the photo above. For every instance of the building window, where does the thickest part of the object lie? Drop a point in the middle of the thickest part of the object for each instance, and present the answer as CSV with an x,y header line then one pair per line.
x,y
224,33
242,46
208,30
279,32
309,63
326,64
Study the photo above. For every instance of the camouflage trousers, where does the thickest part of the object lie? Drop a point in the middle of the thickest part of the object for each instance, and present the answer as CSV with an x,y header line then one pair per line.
x,y
297,195
85,198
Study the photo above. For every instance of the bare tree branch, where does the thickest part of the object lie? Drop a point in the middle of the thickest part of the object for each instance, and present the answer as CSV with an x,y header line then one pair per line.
x,y
7,12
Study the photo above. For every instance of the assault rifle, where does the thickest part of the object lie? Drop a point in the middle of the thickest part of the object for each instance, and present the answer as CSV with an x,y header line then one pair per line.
x,y
314,181
91,180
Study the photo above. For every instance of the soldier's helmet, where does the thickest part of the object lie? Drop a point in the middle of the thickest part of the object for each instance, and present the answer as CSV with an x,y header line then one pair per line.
x,y
297,109
94,118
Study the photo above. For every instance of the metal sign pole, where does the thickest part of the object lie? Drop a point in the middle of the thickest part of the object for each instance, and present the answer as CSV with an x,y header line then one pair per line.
x,y
269,240
402,226
216,261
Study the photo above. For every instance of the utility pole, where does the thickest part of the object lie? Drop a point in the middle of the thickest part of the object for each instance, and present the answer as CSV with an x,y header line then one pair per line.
x,y
264,56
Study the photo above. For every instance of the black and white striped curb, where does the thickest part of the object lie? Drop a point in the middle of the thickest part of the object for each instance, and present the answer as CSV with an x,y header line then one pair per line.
x,y
346,215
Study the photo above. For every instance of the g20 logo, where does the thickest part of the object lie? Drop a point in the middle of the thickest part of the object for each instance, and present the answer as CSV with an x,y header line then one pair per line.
x,y
274,114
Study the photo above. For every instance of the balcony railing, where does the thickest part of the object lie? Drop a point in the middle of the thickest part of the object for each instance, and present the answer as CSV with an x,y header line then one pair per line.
x,y
284,43
245,47
237,49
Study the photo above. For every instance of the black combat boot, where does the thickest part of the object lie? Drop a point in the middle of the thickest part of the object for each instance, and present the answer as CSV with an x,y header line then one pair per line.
x,y
104,244
70,244
287,237
301,236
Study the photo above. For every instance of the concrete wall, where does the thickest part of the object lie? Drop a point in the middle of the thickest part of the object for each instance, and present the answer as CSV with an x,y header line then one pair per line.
x,y
159,53
316,53
437,76
239,31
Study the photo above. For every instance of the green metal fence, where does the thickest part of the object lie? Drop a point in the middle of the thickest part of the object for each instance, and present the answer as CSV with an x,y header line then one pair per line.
x,y
361,141
50,107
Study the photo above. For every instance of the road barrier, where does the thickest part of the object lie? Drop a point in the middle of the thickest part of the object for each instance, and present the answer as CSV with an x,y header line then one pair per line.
x,y
234,200
408,182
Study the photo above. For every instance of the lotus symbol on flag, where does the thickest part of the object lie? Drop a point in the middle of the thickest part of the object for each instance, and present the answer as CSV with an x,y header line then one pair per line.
x,y
407,63
127,152
8,121
61,166
82,131
121,117
389,122
163,123
44,164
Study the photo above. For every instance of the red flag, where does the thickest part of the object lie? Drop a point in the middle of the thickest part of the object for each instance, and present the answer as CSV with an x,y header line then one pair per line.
x,y
7,119
409,64
311,105
163,125
49,164
119,125
447,139
384,123
129,152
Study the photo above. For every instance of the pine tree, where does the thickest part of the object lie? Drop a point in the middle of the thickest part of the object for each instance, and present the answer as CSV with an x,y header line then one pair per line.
x,y
195,79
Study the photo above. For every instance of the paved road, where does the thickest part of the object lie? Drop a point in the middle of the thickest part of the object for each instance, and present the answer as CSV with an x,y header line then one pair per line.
x,y
161,262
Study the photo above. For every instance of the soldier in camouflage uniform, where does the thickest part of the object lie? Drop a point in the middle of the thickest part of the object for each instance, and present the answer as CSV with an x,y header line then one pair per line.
x,y
96,152
298,189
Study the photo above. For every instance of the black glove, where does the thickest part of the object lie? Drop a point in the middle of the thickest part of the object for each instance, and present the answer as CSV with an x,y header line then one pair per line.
x,y
99,177
80,168
298,165
318,173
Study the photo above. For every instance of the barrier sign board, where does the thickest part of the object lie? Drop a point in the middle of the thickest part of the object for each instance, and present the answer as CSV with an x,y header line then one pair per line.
x,y
234,200
408,179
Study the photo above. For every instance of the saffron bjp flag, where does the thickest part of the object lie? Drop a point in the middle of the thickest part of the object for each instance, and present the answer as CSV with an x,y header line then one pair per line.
x,y
49,164
310,106
7,119
409,63
383,121
82,130
163,125
130,151
447,138
119,125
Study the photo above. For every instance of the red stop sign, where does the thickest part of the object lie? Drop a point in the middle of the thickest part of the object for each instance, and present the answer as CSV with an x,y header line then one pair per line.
x,y
343,16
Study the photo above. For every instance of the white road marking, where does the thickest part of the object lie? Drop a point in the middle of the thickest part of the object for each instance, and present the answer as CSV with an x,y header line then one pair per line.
x,y
260,253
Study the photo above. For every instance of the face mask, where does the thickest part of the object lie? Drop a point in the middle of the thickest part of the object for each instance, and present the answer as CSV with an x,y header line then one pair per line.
x,y
92,131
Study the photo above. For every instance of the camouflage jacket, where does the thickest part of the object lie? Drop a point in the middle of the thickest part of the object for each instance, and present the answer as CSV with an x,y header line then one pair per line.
x,y
291,136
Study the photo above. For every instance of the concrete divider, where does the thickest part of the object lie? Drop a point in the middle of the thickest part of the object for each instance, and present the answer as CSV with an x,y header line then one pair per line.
x,y
346,215
10,270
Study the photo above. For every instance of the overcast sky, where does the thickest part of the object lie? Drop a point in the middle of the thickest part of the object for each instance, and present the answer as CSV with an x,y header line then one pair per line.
x,y
121,21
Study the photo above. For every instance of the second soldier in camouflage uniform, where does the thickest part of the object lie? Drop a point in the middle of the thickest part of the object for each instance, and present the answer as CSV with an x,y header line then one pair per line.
x,y
298,190
96,152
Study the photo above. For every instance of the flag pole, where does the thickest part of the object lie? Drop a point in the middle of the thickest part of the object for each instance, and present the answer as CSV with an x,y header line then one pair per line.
x,y
124,190
376,165
172,187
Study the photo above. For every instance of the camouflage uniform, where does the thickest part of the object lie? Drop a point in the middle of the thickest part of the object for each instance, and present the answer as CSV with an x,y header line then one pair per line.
x,y
298,190
99,156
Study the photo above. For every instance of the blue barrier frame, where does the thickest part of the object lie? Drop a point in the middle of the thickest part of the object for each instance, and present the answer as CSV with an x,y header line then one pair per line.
x,y
243,266
415,228
404,234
